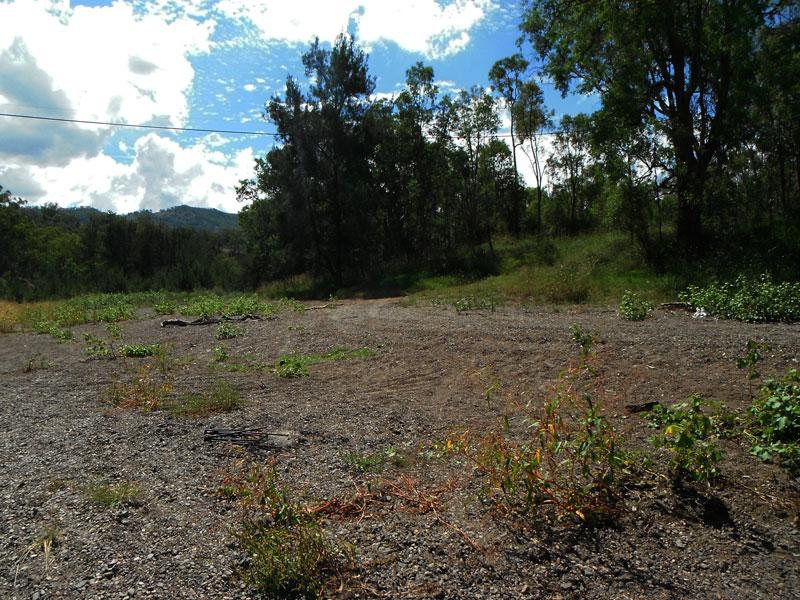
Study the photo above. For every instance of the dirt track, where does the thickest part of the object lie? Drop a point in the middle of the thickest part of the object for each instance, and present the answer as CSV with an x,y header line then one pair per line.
x,y
427,380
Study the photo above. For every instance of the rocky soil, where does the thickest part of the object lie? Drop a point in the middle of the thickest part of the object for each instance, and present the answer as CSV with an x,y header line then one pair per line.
x,y
427,380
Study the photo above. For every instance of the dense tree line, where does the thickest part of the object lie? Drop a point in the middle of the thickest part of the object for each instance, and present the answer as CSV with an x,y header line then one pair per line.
x,y
696,144
47,252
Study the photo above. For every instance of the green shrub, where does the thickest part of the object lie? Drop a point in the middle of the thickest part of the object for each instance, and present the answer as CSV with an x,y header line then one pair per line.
x,y
634,308
54,330
227,331
690,435
140,350
775,427
748,299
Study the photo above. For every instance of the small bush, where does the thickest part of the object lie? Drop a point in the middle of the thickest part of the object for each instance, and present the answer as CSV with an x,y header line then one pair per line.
x,y
634,308
748,299
54,330
775,427
690,435
227,331
470,303
36,362
372,462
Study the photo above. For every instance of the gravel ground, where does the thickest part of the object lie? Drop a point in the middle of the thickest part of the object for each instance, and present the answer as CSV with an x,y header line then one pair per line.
x,y
427,380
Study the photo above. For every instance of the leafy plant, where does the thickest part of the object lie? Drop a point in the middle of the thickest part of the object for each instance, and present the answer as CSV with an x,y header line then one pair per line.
x,y
54,330
690,435
748,299
220,353
750,360
226,331
634,308
775,427
97,347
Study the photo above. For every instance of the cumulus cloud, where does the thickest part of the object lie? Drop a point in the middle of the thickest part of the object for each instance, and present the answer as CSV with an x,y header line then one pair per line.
x,y
162,174
25,84
109,62
426,27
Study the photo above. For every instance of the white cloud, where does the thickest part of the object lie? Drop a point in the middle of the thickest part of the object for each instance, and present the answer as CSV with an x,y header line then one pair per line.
x,y
162,174
249,87
109,62
426,27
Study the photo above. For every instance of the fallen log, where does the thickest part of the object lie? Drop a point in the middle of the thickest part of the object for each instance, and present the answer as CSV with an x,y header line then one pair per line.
x,y
211,320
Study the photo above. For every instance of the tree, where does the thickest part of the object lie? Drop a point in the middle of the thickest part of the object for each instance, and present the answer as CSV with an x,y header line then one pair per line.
x,y
569,164
506,76
685,66
531,118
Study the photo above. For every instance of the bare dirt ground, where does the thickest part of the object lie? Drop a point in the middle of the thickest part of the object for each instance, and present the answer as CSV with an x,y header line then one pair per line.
x,y
427,380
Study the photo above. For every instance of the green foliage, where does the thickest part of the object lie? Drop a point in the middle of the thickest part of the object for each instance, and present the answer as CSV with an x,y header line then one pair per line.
x,y
290,554
97,347
222,397
220,353
140,350
584,339
296,365
748,299
750,360
54,330
114,495
634,308
775,421
227,331
690,435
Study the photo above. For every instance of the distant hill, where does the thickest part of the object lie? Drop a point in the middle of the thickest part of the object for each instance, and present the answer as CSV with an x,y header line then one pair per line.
x,y
209,219
195,218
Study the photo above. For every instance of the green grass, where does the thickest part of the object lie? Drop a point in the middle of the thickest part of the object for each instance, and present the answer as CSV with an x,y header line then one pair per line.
x,y
114,495
296,365
373,462
222,397
588,269
140,350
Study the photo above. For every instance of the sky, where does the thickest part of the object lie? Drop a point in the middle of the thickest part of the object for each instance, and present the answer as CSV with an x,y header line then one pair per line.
x,y
208,64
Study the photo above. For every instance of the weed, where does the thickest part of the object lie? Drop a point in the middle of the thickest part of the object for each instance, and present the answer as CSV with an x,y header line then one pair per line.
x,y
296,365
634,308
36,362
140,350
470,303
294,327
222,397
750,360
690,435
775,421
220,353
54,330
294,305
165,357
114,495
290,554
97,347
748,299
143,391
566,469
167,307
226,331
373,462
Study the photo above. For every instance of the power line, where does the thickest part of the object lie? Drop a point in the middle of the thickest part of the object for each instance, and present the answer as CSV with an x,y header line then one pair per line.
x,y
192,129
138,126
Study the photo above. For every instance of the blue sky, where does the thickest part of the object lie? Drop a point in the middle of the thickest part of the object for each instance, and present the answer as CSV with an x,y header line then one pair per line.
x,y
208,64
